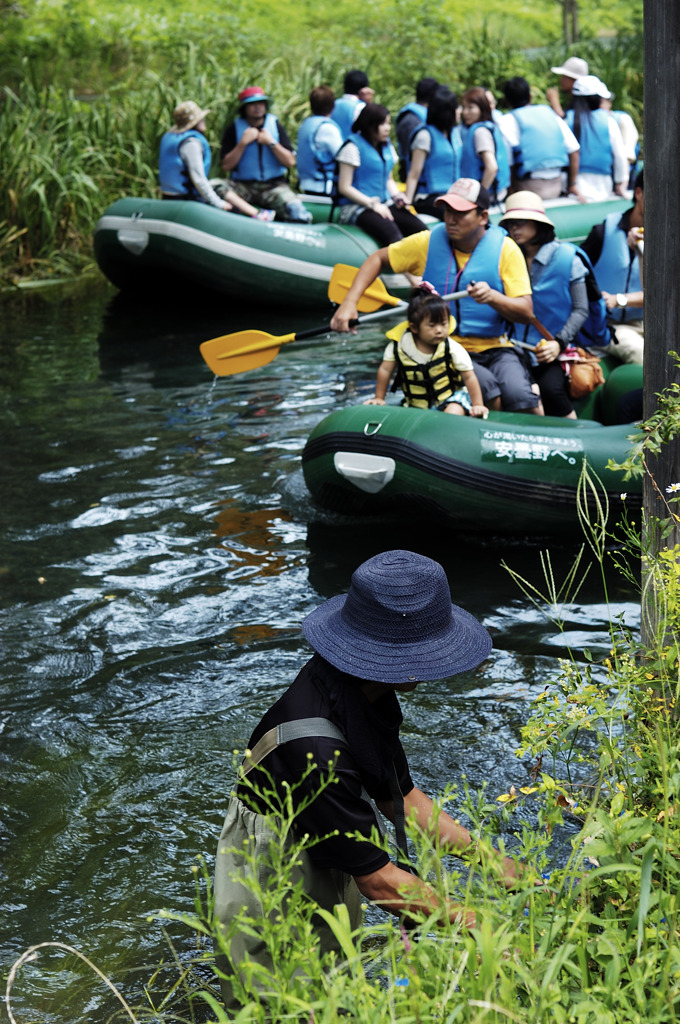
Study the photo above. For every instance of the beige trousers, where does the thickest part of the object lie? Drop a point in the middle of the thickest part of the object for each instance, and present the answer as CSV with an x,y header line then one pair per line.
x,y
244,828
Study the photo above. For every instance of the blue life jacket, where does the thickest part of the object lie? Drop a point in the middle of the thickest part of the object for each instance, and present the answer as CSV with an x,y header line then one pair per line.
x,y
312,162
595,156
541,143
474,319
471,166
172,173
370,177
343,114
442,164
420,111
618,268
257,163
551,296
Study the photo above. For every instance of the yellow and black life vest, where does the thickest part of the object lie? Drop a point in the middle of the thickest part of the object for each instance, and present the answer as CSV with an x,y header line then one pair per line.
x,y
426,384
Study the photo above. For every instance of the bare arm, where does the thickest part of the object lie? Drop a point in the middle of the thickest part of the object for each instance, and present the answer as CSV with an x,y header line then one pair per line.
x,y
490,167
401,892
372,266
635,299
478,410
553,97
347,189
414,174
453,837
519,310
385,371
285,156
572,189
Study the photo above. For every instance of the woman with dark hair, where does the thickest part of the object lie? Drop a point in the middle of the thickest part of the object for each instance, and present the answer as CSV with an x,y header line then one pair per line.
x,y
558,289
484,156
603,165
369,195
435,152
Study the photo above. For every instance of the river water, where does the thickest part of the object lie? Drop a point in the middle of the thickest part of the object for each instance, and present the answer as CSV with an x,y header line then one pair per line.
x,y
158,551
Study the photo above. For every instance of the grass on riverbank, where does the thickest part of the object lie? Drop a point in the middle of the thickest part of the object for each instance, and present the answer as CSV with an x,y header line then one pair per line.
x,y
88,91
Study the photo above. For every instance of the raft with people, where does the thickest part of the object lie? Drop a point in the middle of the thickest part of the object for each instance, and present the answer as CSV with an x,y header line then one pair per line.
x,y
142,242
512,474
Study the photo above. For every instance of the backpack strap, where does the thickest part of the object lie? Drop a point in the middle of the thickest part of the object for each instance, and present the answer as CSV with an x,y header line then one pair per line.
x,y
300,729
287,731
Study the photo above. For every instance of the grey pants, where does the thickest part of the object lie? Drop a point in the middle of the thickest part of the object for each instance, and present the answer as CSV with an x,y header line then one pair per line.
x,y
327,887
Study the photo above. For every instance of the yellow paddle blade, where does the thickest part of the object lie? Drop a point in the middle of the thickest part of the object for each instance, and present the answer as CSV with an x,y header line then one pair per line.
x,y
375,296
244,350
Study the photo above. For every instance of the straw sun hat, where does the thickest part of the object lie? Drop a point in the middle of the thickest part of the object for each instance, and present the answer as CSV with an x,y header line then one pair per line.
x,y
573,67
397,624
525,206
187,115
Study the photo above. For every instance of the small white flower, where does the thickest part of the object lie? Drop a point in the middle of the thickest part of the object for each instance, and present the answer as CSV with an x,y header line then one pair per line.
x,y
623,495
673,489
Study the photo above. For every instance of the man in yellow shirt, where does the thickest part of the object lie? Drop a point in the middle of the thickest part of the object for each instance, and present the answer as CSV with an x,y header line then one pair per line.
x,y
467,253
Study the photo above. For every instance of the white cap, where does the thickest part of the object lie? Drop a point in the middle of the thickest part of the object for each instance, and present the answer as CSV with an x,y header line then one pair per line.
x,y
590,85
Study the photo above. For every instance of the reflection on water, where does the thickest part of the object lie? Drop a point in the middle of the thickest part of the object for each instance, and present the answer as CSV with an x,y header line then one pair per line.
x,y
158,551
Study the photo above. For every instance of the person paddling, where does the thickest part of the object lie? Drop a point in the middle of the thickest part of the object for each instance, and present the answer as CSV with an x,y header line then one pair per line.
x,y
466,252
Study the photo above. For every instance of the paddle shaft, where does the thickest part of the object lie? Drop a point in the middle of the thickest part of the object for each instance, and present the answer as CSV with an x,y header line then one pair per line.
x,y
543,331
248,350
451,297
316,332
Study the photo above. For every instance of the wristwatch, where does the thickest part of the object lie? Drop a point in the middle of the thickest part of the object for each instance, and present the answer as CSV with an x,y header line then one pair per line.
x,y
621,300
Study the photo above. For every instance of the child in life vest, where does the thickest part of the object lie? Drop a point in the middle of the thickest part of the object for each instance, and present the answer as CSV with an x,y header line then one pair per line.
x,y
434,371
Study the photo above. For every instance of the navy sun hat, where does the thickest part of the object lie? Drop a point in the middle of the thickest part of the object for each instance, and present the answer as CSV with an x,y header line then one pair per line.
x,y
397,624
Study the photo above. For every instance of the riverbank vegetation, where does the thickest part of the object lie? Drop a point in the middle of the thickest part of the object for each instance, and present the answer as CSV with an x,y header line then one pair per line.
x,y
87,88
592,935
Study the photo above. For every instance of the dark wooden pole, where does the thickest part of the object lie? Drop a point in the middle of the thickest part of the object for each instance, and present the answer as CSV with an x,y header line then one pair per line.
x,y
662,233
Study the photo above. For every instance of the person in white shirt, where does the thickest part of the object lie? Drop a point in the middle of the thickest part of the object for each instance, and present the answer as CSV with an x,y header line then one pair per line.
x,y
603,166
541,145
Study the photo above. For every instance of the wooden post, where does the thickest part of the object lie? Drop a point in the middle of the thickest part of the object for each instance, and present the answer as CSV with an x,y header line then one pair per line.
x,y
569,21
662,233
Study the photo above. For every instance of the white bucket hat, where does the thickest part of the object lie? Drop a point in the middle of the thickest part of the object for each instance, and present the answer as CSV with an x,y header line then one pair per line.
x,y
573,67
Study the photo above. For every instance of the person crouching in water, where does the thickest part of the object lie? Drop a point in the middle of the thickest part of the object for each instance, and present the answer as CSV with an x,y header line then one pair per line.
x,y
434,371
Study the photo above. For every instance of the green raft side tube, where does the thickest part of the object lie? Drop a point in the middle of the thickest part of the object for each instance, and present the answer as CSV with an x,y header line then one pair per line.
x,y
139,241
142,242
513,474
572,220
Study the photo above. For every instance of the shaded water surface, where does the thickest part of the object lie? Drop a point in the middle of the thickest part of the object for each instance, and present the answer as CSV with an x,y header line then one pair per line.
x,y
158,551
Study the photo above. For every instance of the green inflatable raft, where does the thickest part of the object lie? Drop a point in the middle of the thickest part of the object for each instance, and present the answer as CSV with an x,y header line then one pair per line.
x,y
139,243
513,474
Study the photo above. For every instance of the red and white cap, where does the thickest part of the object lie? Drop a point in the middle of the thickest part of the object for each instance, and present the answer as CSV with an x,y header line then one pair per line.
x,y
465,194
